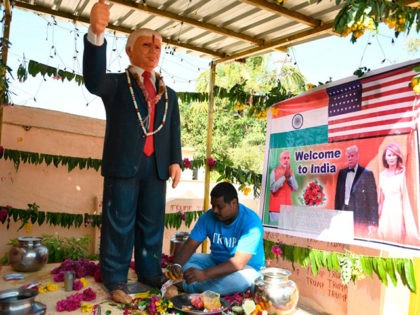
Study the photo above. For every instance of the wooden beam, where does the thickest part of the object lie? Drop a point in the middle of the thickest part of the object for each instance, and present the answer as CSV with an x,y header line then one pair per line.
x,y
125,30
275,8
282,42
187,20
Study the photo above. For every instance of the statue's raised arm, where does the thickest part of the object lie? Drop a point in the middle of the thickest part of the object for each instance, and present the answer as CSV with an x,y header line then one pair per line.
x,y
99,17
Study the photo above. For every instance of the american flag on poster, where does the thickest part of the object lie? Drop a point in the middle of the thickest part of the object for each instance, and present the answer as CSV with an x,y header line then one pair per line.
x,y
379,105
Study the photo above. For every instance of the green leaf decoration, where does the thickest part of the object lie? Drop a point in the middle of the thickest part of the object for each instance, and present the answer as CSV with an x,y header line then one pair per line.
x,y
391,271
41,217
367,265
314,264
409,275
351,266
382,274
35,68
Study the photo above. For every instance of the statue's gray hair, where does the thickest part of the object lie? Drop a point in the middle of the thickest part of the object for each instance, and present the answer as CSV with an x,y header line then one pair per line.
x,y
140,32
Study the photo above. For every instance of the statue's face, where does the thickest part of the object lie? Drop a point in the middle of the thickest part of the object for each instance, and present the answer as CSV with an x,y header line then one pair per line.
x,y
146,52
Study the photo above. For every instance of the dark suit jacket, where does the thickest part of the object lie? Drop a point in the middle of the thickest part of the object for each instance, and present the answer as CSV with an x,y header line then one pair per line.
x,y
124,138
363,196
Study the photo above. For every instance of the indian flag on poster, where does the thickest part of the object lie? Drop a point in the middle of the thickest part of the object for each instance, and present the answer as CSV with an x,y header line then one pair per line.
x,y
299,121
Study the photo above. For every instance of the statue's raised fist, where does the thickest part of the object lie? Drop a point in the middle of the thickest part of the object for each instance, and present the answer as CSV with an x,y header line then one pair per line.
x,y
99,17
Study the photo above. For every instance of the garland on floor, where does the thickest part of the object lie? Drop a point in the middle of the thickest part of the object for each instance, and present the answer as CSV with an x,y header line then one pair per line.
x,y
245,178
31,215
351,267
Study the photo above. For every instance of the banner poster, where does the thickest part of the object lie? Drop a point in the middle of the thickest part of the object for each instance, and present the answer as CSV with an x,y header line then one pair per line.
x,y
342,161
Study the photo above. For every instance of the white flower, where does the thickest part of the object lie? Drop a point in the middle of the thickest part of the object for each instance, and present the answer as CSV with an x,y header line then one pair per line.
x,y
248,306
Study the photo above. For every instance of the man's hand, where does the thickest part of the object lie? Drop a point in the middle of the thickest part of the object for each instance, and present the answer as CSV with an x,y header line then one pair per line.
x,y
287,172
175,174
194,275
99,17
174,272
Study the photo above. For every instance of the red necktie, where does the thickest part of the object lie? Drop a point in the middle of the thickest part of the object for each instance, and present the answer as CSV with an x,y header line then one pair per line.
x,y
149,145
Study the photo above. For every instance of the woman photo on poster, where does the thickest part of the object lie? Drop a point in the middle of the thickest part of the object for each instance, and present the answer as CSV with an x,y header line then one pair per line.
x,y
396,219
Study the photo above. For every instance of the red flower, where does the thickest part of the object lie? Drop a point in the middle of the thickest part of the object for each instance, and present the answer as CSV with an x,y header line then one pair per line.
x,y
211,163
187,163
314,194
276,250
77,285
3,215
1,151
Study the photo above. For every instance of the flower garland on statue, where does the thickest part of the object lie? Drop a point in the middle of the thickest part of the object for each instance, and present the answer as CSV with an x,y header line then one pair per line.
x,y
162,89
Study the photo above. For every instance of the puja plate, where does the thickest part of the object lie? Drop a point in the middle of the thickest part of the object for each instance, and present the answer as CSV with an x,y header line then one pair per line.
x,y
182,303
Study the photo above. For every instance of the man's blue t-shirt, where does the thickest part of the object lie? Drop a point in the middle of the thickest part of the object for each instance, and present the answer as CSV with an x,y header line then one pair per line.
x,y
245,234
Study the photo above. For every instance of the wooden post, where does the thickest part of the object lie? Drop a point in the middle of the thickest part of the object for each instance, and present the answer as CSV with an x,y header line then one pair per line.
x,y
4,93
6,30
206,203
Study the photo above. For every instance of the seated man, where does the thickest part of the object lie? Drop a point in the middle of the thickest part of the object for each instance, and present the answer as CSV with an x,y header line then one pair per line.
x,y
236,244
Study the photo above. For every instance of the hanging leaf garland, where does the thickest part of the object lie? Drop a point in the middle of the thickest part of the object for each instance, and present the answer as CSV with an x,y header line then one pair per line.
x,y
32,214
223,167
35,68
38,158
352,267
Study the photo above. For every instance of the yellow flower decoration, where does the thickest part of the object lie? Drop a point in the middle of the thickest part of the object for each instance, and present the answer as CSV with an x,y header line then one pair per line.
x,y
275,111
86,307
48,287
42,289
246,190
415,84
28,227
51,287
84,281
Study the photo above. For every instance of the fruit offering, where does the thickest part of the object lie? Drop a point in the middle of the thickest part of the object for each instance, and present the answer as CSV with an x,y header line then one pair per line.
x,y
197,301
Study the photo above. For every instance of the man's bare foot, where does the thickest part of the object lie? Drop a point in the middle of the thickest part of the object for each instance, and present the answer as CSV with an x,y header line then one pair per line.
x,y
119,296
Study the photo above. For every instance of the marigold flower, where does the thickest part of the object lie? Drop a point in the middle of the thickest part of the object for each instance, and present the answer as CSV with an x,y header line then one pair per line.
x,y
28,227
51,287
84,281
86,307
42,289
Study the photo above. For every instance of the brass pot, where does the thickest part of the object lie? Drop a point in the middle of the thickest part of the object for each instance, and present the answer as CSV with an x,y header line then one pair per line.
x,y
277,290
20,302
28,255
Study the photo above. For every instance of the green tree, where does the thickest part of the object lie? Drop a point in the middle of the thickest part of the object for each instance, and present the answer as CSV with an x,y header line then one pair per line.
x,y
238,134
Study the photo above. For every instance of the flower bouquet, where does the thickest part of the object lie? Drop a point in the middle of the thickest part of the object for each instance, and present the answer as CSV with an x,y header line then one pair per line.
x,y
314,194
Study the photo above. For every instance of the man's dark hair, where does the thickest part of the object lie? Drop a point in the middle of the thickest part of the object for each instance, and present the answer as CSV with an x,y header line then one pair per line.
x,y
225,190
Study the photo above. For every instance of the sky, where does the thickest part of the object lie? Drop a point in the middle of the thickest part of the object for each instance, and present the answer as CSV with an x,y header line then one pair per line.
x,y
60,44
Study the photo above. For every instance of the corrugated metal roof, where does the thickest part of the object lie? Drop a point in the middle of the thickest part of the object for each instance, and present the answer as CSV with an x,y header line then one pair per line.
x,y
217,29
221,30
